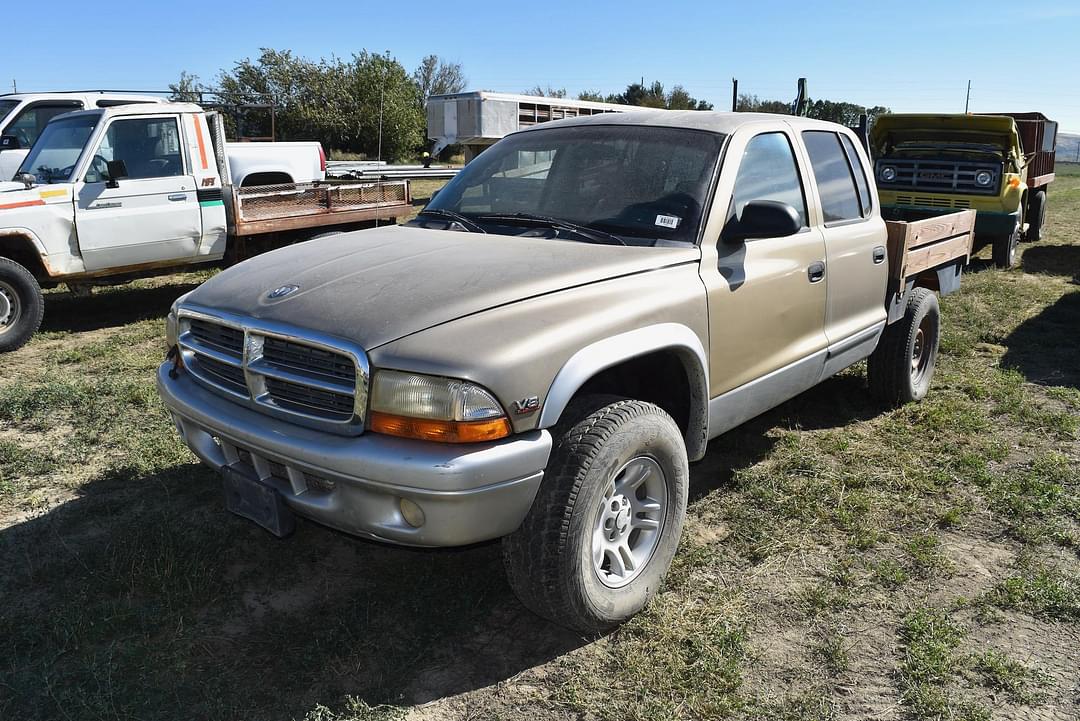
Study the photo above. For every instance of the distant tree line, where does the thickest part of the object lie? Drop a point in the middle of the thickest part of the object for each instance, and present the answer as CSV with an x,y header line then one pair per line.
x,y
649,96
335,101
834,111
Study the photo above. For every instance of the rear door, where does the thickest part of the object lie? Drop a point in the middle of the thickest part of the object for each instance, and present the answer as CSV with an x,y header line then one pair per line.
x,y
152,216
854,238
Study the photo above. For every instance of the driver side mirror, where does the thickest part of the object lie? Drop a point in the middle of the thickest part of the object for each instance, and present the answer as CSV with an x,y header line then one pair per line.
x,y
117,171
10,142
762,219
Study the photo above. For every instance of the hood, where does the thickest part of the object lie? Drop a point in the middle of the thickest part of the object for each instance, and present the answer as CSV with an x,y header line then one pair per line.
x,y
10,185
890,130
379,285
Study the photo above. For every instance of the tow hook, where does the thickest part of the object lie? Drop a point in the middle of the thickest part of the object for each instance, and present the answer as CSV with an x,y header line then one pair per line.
x,y
177,361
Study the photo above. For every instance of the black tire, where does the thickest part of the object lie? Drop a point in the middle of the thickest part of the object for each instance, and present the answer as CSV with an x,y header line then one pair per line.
x,y
1004,249
1036,215
549,560
324,234
21,305
902,366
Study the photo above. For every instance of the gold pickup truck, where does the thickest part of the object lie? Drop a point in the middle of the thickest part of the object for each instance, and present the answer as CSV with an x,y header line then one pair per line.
x,y
998,165
540,354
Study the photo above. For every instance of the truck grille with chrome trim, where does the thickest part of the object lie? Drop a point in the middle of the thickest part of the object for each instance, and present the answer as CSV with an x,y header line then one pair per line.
x,y
938,176
308,380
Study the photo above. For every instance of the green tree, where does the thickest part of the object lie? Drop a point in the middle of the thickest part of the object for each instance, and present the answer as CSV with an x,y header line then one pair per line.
x,y
654,96
594,95
435,76
545,92
187,89
334,101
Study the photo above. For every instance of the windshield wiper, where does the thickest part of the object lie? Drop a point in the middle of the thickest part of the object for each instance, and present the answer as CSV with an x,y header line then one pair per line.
x,y
462,220
592,234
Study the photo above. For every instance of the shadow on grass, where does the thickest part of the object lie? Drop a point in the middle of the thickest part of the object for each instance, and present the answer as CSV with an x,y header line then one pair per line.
x,y
109,308
1046,348
144,598
837,402
1053,260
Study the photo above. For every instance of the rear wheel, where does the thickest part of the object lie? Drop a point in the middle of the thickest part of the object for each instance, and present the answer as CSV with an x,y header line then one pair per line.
x,y
902,366
1036,216
21,305
599,538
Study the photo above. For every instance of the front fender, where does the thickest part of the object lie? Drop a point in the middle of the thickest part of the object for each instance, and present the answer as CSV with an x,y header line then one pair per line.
x,y
612,351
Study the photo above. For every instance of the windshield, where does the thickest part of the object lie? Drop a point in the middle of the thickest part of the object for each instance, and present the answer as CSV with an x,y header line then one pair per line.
x,y
6,106
57,150
645,185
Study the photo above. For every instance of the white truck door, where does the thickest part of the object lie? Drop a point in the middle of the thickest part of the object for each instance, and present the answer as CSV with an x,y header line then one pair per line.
x,y
150,216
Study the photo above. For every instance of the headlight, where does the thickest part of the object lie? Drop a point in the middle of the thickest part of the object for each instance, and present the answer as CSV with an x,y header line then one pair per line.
x,y
431,408
887,174
984,178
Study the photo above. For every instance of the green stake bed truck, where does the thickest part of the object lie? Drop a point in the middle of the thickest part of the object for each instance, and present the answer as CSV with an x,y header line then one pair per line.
x,y
998,165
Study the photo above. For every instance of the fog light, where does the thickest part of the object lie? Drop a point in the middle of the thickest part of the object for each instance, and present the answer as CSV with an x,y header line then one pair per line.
x,y
412,513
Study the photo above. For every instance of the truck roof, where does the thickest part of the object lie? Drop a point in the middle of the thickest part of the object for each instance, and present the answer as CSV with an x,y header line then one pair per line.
x,y
138,109
711,121
68,94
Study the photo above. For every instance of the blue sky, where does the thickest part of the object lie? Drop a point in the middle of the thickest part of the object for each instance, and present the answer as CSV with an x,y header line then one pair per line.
x,y
911,55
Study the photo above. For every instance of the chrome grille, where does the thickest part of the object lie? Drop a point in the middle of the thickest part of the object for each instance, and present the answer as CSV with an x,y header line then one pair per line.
x,y
221,337
306,359
938,176
298,375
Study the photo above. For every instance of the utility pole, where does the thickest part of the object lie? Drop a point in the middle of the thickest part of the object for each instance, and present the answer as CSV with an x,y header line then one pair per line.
x,y
14,86
734,94
967,100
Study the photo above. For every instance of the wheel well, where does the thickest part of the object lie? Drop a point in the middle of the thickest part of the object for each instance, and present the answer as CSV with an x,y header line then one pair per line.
x,y
20,249
659,378
269,178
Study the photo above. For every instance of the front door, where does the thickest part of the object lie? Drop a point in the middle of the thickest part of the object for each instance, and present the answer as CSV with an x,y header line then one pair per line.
x,y
767,295
152,215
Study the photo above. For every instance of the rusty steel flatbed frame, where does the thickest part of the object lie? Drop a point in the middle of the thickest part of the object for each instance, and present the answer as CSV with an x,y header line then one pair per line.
x,y
280,208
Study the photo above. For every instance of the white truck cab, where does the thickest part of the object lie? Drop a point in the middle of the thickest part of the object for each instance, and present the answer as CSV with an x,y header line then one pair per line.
x,y
111,194
24,115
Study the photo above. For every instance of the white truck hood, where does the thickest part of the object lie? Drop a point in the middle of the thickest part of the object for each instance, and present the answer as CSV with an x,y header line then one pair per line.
x,y
10,185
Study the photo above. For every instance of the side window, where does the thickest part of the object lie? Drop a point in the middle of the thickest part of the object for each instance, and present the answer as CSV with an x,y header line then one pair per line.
x,y
28,126
768,172
839,201
865,200
149,147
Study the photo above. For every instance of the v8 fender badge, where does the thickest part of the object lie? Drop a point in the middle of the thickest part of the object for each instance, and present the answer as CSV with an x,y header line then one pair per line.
x,y
527,405
282,291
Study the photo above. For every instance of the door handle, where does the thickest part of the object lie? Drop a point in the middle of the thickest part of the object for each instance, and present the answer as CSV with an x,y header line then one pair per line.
x,y
879,255
816,272
178,196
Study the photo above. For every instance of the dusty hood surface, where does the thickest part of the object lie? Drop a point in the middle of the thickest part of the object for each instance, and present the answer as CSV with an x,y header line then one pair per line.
x,y
375,286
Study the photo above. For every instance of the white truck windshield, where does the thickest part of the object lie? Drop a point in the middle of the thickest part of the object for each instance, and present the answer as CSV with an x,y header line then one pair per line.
x,y
646,185
56,152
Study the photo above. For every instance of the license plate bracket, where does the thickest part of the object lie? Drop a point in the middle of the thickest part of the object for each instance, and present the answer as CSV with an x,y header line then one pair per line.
x,y
254,500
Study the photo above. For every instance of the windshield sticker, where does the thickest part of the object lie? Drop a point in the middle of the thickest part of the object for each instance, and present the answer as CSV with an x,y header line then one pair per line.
x,y
668,221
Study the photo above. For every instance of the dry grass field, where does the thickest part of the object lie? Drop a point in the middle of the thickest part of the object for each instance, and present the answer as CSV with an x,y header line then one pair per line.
x,y
841,560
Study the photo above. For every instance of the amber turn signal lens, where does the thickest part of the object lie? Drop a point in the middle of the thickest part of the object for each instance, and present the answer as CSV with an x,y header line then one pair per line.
x,y
1014,183
443,431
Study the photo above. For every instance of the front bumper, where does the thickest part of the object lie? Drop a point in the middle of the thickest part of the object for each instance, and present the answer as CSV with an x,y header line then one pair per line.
x,y
468,493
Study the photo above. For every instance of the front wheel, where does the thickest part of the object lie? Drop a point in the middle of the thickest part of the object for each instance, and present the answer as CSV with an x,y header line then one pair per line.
x,y
21,305
1004,248
603,529
902,365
